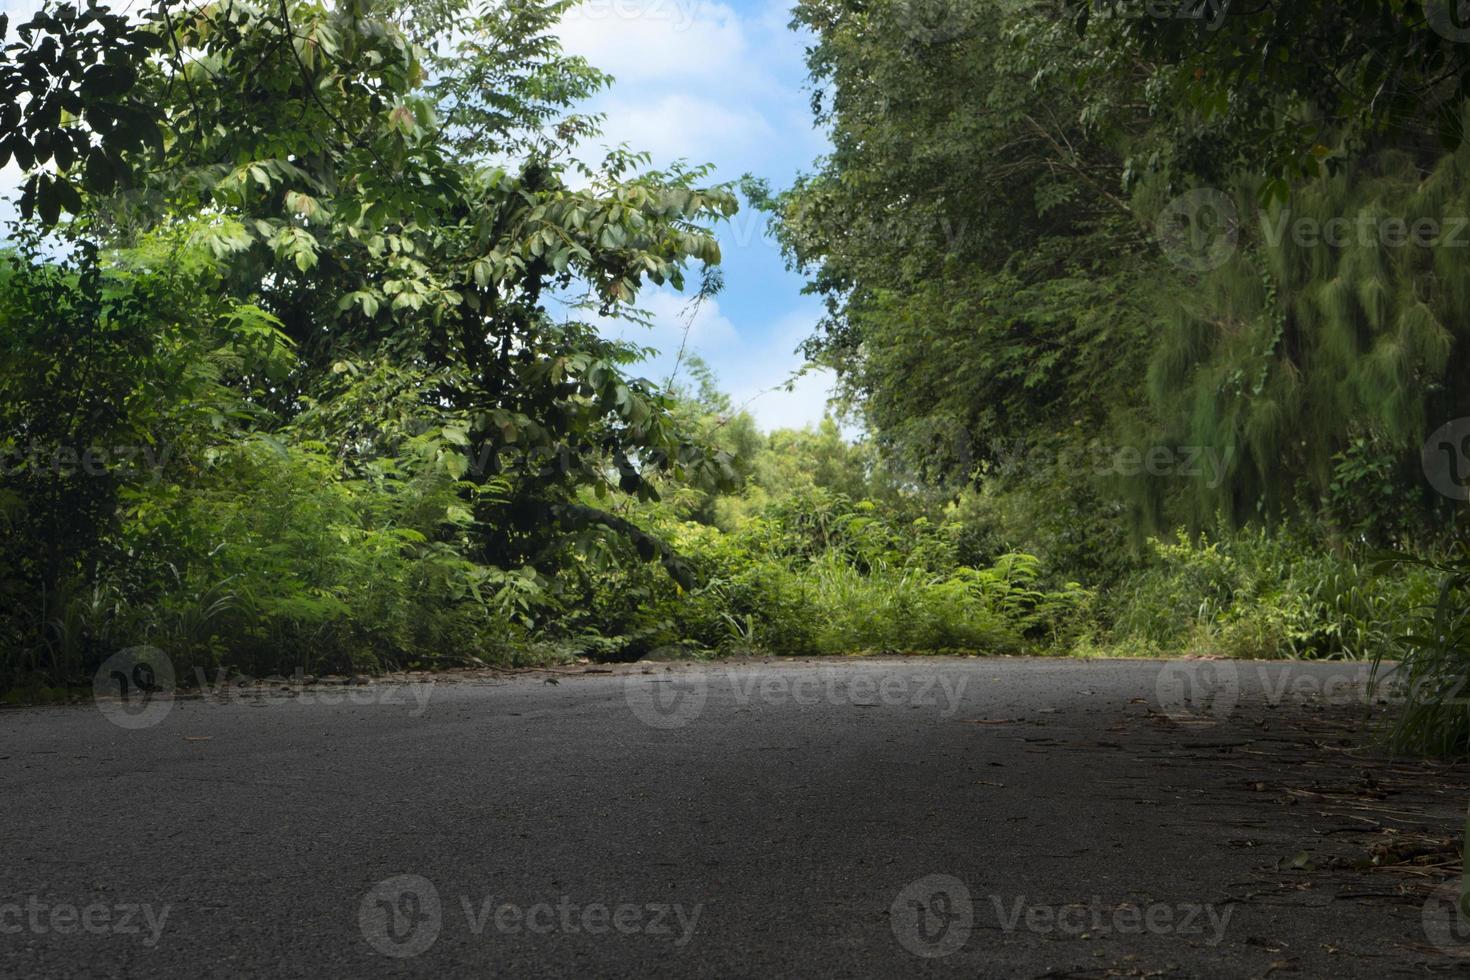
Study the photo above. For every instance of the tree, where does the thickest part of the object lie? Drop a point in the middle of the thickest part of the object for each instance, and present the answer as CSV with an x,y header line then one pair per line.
x,y
995,235
980,267
358,204
1279,90
398,227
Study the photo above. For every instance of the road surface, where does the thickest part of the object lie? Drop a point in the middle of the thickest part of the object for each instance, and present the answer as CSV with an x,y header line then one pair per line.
x,y
875,818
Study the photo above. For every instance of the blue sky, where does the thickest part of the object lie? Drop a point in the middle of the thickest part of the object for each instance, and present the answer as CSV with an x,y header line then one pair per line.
x,y
707,82
718,83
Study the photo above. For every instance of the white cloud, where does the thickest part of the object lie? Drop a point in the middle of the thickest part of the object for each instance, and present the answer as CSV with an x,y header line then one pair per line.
x,y
640,41
696,80
754,371
803,405
19,11
675,322
709,331
757,378
688,127
10,181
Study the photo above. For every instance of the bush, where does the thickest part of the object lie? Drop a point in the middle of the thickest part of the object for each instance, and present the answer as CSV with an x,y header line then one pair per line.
x,y
1255,594
815,573
223,537
1433,678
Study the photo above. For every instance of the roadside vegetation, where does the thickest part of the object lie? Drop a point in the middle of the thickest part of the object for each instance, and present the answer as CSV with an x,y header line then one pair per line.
x,y
301,364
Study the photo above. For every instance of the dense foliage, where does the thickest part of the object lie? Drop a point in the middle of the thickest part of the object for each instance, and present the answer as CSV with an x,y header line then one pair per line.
x,y
1170,296
321,294
287,391
1152,335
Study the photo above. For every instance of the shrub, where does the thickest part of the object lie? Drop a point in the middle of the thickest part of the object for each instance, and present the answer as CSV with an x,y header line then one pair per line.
x,y
1252,593
815,573
1433,678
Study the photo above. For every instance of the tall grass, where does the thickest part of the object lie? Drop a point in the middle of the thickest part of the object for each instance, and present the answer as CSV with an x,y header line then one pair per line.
x,y
1432,679
1256,594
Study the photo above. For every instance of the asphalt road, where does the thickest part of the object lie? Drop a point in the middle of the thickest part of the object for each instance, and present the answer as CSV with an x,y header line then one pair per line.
x,y
1007,818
